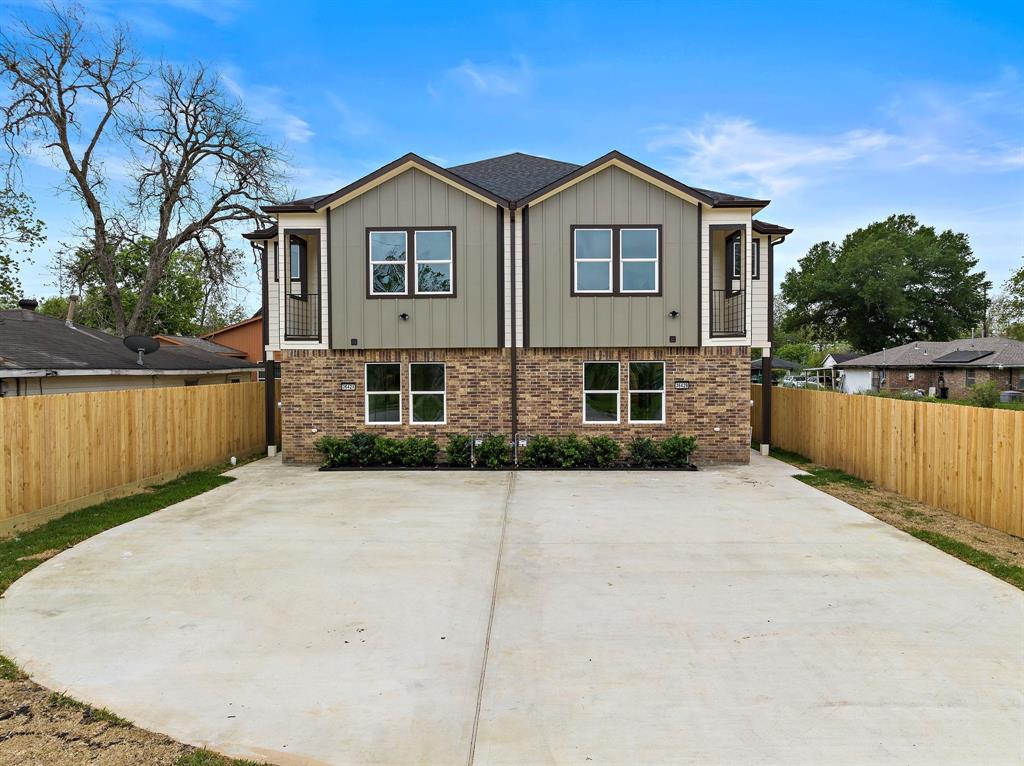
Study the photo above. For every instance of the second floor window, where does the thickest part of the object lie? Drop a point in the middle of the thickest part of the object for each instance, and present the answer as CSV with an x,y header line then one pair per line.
x,y
616,260
755,259
736,258
297,265
411,261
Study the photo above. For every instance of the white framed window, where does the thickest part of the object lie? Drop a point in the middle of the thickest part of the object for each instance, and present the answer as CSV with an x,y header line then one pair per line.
x,y
646,392
592,260
433,253
736,258
638,260
383,387
389,262
755,259
600,392
428,399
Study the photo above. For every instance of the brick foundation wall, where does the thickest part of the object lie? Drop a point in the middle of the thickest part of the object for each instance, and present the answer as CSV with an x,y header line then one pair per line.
x,y
550,383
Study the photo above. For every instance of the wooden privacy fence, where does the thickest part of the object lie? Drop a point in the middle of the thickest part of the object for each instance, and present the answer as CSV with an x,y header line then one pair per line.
x,y
968,460
65,451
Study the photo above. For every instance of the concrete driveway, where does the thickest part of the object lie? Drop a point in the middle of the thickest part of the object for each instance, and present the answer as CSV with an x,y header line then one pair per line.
x,y
731,616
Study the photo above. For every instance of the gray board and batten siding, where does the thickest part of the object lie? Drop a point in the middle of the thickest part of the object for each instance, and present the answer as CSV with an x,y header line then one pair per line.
x,y
415,199
559,319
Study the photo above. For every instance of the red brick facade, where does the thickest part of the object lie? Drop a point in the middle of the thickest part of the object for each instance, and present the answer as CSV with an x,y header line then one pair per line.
x,y
958,380
715,408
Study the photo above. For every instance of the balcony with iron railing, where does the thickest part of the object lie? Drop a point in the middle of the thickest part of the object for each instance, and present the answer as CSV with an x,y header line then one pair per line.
x,y
302,316
728,314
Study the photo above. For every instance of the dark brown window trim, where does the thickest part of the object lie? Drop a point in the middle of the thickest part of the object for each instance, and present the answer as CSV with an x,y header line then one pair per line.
x,y
410,274
303,279
277,255
755,258
616,291
286,235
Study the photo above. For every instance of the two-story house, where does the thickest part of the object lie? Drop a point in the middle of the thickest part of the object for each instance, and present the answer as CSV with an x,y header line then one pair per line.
x,y
518,295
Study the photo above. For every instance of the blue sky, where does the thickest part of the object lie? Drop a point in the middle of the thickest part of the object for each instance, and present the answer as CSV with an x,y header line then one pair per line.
x,y
839,113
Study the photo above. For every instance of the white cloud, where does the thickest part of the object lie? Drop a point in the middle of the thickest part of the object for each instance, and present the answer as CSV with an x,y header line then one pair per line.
x,y
267,104
490,79
962,131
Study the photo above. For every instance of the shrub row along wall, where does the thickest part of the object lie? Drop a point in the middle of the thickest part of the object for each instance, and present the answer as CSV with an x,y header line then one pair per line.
x,y
714,408
65,451
968,460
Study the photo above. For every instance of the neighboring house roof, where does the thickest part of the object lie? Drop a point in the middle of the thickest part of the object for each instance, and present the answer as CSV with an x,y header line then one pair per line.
x,y
515,178
201,343
982,352
30,341
843,356
763,227
778,363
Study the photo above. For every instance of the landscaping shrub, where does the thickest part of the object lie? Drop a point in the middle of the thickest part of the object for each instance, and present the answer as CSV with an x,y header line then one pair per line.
x,y
539,452
494,452
571,452
604,451
363,449
419,451
984,394
388,451
336,451
643,452
457,452
677,449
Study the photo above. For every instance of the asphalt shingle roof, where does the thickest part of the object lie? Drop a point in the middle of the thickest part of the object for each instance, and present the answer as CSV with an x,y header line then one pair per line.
x,y
1005,352
203,344
33,341
514,176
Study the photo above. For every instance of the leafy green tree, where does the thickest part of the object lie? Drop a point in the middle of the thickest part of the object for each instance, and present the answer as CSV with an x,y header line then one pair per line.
x,y
20,232
889,283
188,299
801,353
1007,311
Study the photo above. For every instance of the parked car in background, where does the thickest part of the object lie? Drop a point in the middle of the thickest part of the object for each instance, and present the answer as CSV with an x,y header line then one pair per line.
x,y
795,381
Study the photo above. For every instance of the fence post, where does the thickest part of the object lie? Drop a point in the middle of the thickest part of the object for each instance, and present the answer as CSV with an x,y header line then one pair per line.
x,y
766,400
270,405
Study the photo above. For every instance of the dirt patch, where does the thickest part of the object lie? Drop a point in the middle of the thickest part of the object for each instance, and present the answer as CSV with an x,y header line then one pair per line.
x,y
36,731
41,556
906,514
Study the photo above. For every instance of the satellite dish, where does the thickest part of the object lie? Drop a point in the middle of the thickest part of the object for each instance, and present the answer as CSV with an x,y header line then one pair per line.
x,y
141,345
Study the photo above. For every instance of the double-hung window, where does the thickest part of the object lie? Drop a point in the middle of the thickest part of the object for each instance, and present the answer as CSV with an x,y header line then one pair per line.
x,y
600,392
433,253
638,260
592,260
616,260
755,259
411,261
389,262
646,392
427,396
383,393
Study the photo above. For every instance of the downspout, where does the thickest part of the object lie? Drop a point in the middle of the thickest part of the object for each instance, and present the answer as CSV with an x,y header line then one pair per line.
x,y
512,317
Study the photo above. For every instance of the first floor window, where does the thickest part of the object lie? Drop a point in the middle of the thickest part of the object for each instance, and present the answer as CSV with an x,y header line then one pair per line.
x,y
755,259
969,377
646,392
592,260
388,262
600,392
427,392
383,393
433,255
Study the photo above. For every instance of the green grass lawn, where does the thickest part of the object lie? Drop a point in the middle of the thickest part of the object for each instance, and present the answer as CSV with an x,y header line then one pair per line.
x,y
21,554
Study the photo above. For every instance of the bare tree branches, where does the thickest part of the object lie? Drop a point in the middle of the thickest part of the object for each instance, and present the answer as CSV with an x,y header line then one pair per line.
x,y
195,162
